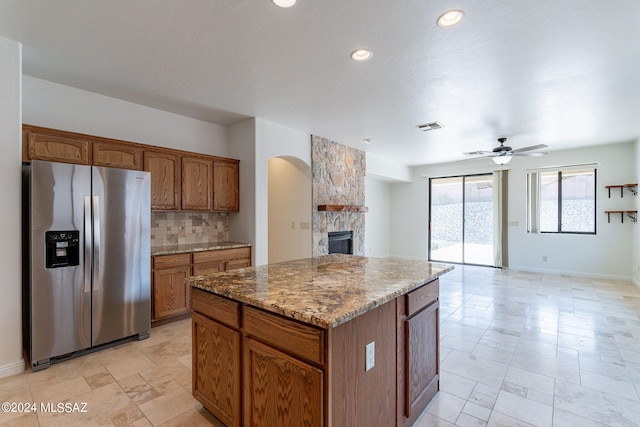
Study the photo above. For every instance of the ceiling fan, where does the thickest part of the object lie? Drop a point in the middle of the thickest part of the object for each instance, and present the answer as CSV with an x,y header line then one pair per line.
x,y
502,155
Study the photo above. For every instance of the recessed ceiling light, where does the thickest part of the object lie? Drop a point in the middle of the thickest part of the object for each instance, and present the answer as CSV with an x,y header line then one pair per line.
x,y
450,18
361,55
284,3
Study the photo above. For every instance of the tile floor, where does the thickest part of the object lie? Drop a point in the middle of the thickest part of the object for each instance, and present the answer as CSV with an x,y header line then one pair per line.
x,y
517,349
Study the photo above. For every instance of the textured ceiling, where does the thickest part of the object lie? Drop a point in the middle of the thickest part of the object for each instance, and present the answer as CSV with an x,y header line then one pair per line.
x,y
562,73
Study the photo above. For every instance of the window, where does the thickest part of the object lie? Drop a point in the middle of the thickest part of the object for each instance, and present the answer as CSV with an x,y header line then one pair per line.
x,y
562,200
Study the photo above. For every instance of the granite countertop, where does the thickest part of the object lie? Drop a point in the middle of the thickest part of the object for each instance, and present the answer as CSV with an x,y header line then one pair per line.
x,y
325,291
195,247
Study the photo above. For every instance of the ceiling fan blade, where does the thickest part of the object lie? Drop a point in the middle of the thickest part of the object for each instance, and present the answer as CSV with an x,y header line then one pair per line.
x,y
533,147
528,154
478,153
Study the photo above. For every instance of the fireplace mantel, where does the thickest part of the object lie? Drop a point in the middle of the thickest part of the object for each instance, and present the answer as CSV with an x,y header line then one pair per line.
x,y
342,208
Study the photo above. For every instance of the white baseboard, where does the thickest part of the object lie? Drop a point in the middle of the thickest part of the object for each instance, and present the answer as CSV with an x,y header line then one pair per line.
x,y
12,368
569,273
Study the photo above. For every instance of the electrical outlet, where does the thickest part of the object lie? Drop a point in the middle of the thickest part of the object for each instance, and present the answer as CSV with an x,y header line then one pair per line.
x,y
544,258
371,355
293,225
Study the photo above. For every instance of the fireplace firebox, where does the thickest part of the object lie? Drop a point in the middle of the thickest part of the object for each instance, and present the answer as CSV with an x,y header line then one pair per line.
x,y
341,242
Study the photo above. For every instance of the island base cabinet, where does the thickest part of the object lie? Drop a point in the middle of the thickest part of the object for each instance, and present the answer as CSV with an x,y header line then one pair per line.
x,y
256,368
216,373
421,369
418,341
280,390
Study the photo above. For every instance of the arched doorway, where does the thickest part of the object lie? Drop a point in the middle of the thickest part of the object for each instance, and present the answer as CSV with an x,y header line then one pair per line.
x,y
289,209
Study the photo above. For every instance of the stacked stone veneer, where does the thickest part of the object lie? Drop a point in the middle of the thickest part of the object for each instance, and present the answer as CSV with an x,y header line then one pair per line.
x,y
338,177
184,228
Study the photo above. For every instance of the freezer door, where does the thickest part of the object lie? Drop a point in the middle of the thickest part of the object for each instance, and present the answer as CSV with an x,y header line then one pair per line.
x,y
60,296
121,282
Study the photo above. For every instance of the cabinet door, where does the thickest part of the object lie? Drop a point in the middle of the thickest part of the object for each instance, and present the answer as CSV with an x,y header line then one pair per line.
x,y
216,368
197,194
226,182
421,365
115,155
279,389
165,179
56,148
170,293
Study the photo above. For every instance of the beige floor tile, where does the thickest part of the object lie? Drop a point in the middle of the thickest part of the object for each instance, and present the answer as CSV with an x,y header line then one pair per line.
x,y
168,406
525,349
196,417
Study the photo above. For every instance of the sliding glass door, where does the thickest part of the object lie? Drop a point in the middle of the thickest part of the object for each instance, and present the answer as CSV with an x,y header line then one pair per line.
x,y
461,219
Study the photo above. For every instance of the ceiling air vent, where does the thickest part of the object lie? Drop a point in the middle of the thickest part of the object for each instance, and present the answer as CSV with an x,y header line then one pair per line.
x,y
430,126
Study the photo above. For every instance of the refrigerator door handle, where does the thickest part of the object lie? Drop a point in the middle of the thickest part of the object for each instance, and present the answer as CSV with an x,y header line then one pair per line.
x,y
96,243
87,244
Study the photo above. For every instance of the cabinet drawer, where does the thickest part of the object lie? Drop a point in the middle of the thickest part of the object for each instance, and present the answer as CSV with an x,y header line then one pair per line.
x,y
221,255
298,339
215,307
168,261
422,297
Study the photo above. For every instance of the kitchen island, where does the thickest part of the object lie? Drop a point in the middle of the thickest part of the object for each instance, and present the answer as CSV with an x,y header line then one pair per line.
x,y
337,340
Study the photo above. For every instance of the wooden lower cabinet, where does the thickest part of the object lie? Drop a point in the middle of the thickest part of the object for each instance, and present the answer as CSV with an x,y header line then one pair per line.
x,y
418,364
280,390
171,296
216,376
209,262
290,373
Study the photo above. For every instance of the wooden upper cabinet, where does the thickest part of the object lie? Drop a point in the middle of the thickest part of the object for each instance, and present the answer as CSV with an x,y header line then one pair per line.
x,y
55,148
180,180
197,194
117,155
165,179
226,182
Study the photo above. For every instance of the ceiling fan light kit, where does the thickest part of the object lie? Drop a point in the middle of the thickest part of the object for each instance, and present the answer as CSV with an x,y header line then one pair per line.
x,y
501,160
502,154
284,3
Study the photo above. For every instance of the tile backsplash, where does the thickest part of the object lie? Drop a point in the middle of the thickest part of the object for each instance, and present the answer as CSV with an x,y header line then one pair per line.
x,y
178,228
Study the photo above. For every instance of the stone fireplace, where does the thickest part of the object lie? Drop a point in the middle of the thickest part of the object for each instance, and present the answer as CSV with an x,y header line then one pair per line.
x,y
338,177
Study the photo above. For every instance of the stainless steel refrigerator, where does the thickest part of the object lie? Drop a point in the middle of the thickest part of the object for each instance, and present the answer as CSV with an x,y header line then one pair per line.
x,y
86,258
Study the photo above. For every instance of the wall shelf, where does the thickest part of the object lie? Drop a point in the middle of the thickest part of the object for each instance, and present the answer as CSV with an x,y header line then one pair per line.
x,y
633,189
631,214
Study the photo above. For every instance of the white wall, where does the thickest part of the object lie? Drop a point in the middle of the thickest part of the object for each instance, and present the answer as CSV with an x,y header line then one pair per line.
x,y
257,141
289,210
387,170
11,361
607,254
242,146
377,220
57,106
